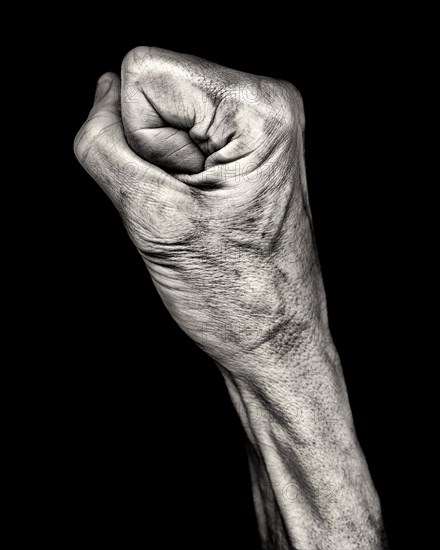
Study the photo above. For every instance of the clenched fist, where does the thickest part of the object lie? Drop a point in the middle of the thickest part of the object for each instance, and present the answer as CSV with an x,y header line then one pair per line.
x,y
206,167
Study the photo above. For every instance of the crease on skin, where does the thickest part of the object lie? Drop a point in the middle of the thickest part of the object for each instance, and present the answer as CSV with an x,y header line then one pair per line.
x,y
239,255
161,125
209,179
211,122
171,153
83,134
226,161
274,242
171,135
211,138
151,103
145,145
119,139
156,109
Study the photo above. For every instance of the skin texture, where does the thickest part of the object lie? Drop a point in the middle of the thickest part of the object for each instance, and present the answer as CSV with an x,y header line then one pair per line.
x,y
206,167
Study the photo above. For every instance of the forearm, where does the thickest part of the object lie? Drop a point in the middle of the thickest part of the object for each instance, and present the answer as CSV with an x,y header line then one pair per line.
x,y
312,488
197,169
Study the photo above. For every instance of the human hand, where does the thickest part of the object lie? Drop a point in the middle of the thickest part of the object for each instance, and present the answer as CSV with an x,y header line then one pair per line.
x,y
206,166
211,187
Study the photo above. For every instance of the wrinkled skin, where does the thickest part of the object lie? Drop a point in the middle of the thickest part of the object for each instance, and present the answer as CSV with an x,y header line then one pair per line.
x,y
225,198
206,167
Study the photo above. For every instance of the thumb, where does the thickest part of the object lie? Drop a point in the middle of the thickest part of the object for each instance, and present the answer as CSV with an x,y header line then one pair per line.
x,y
100,146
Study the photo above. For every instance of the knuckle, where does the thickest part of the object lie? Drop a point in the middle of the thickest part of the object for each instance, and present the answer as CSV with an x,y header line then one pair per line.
x,y
135,59
275,100
290,104
90,142
86,151
83,143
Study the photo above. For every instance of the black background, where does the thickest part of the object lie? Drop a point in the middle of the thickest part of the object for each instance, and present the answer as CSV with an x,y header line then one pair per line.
x,y
146,445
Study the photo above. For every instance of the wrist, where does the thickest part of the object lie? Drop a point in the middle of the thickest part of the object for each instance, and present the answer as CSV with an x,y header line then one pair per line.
x,y
300,392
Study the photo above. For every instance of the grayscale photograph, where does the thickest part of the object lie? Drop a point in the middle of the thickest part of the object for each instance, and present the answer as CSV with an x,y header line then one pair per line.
x,y
230,360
